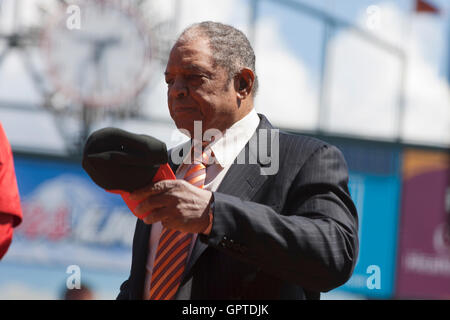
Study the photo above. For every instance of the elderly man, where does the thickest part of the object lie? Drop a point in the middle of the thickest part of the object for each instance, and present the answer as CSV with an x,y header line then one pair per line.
x,y
228,229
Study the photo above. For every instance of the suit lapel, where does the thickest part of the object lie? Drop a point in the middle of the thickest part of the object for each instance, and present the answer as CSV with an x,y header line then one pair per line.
x,y
241,180
138,267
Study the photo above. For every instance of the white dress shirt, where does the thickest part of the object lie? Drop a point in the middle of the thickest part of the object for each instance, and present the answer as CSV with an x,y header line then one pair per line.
x,y
225,150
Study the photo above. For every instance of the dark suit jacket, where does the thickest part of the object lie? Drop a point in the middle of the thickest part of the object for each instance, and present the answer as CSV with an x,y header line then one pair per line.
x,y
289,235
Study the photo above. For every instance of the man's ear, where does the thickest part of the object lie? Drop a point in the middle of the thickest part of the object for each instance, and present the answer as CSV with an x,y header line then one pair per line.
x,y
243,83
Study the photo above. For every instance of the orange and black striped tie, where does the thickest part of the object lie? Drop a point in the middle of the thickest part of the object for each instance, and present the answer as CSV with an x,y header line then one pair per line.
x,y
173,248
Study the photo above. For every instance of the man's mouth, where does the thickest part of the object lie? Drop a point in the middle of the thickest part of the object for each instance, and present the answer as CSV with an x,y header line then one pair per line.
x,y
185,109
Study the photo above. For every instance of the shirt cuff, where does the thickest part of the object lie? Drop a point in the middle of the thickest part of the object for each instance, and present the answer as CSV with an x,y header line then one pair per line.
x,y
211,216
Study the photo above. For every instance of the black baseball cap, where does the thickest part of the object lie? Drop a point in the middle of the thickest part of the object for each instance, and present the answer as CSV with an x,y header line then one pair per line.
x,y
116,159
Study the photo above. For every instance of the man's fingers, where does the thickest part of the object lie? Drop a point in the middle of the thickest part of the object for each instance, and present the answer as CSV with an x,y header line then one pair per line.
x,y
152,203
151,189
141,194
156,215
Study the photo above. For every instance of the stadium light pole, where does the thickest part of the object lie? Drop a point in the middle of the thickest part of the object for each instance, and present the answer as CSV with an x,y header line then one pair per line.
x,y
253,17
328,28
448,48
401,99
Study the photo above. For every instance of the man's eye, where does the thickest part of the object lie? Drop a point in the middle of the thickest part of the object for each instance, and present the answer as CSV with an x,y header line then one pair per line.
x,y
196,78
169,82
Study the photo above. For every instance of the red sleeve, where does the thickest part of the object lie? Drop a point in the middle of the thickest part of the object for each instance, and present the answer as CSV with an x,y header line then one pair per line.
x,y
6,232
9,193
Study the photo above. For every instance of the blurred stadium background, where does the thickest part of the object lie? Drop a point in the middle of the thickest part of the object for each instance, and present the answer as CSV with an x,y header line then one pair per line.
x,y
372,77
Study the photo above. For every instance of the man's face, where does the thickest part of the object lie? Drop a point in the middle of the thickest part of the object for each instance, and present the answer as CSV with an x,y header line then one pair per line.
x,y
196,90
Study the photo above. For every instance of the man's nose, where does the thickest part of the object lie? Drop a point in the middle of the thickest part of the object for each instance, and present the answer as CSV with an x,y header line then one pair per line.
x,y
179,88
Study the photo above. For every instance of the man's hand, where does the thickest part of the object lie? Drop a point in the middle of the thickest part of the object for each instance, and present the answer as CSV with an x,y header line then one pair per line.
x,y
176,203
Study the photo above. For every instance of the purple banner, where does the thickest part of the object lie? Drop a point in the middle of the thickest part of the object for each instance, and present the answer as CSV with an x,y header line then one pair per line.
x,y
424,247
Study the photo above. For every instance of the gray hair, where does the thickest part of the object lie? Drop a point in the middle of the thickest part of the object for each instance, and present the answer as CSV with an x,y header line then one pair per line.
x,y
230,48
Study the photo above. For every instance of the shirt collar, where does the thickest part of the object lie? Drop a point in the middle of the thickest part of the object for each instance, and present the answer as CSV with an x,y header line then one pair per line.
x,y
228,147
